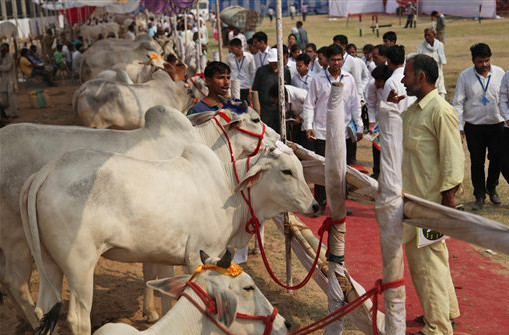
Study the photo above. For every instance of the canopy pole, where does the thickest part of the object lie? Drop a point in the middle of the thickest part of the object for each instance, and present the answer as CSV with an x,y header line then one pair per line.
x,y
282,132
198,51
4,9
219,32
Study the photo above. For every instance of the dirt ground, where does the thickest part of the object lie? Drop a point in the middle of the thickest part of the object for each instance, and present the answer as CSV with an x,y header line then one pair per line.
x,y
118,286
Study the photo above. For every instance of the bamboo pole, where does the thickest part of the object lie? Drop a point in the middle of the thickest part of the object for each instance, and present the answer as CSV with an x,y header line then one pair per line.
x,y
24,9
198,51
3,7
282,118
219,32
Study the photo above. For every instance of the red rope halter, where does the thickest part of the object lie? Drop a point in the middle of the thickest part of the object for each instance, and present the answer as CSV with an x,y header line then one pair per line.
x,y
210,309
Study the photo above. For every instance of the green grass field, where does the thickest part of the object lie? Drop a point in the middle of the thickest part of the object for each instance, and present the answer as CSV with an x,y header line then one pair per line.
x,y
460,35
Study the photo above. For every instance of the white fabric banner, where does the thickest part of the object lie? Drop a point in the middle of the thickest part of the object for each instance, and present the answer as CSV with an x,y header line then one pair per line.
x,y
465,8
345,7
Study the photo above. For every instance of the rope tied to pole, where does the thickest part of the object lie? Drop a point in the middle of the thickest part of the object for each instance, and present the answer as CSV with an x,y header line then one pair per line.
x,y
326,226
379,287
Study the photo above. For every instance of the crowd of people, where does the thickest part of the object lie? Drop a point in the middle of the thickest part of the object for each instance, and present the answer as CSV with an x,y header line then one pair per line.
x,y
388,79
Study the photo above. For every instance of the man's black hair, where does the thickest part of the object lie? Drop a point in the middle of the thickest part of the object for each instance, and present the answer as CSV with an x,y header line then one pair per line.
x,y
382,49
333,50
260,36
351,45
216,67
480,50
434,13
303,58
294,48
312,46
341,39
425,64
367,48
322,50
390,36
285,49
396,54
381,72
236,42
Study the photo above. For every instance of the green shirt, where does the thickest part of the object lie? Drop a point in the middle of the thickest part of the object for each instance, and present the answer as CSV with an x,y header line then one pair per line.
x,y
58,57
433,158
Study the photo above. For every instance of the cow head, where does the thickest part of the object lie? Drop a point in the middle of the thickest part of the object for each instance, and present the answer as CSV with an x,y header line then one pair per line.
x,y
234,293
277,183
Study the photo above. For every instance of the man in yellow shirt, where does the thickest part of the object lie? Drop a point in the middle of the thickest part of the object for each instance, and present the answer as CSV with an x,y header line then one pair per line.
x,y
433,165
30,70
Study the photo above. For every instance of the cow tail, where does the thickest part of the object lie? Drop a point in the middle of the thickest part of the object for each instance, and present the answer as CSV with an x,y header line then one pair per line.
x,y
75,100
28,208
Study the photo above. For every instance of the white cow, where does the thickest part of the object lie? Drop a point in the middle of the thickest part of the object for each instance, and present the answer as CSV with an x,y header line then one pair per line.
x,y
26,148
103,103
91,203
234,293
137,72
104,54
91,33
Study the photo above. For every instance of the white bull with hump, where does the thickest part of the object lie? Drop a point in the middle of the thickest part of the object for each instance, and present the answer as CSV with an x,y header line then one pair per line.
x,y
26,148
91,203
104,54
233,290
103,103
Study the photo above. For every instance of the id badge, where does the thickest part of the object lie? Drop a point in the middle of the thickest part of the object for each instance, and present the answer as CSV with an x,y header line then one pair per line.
x,y
484,100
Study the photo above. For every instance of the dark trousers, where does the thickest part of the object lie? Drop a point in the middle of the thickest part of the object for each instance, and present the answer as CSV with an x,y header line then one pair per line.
x,y
244,95
505,155
479,138
410,21
376,161
319,146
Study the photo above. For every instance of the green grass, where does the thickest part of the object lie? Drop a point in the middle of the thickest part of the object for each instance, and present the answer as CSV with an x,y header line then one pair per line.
x,y
460,35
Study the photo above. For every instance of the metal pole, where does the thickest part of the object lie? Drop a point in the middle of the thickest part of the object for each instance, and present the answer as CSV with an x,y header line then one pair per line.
x,y
185,34
220,37
198,24
282,118
24,8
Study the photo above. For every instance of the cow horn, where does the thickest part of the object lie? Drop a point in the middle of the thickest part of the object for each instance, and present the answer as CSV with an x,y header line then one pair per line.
x,y
226,260
204,256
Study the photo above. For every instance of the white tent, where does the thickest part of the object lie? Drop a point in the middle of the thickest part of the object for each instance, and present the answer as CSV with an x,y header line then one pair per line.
x,y
345,7
110,6
464,8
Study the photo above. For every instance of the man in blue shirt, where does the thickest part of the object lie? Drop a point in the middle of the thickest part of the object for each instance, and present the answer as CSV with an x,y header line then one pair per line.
x,y
217,79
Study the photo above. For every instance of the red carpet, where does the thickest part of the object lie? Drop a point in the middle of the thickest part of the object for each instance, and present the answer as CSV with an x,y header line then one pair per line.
x,y
482,286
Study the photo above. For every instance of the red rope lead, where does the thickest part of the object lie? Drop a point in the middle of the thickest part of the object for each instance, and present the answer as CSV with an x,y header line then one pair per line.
x,y
341,312
254,225
326,225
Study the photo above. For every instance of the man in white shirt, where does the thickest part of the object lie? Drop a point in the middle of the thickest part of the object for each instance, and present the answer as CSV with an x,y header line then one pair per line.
x,y
314,65
350,64
373,100
243,67
235,33
260,42
395,61
294,104
476,101
434,48
302,77
315,108
367,50
504,110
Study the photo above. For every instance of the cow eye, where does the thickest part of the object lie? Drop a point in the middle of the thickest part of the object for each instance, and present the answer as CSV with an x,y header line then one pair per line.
x,y
287,172
257,120
249,288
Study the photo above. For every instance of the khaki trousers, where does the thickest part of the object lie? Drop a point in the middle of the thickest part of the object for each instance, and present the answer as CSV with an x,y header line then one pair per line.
x,y
429,267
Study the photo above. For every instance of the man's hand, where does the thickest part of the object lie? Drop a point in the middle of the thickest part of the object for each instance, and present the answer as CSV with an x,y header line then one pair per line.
x,y
310,134
448,197
359,136
394,97
371,126
298,119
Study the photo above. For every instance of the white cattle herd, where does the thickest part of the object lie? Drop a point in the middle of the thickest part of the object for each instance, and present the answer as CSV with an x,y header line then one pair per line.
x,y
162,191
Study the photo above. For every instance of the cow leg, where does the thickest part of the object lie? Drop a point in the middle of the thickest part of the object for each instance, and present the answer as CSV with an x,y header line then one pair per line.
x,y
15,272
81,287
149,273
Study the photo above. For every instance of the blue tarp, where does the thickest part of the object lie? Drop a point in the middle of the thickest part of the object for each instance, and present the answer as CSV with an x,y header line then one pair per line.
x,y
314,6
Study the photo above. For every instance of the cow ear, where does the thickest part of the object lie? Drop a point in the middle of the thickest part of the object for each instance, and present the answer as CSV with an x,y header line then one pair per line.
x,y
226,303
253,175
172,287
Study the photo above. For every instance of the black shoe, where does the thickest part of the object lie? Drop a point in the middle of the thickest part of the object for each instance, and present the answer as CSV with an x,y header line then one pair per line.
x,y
479,203
495,199
374,175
